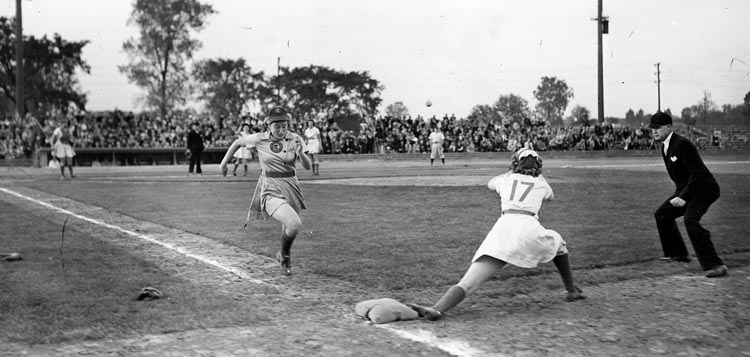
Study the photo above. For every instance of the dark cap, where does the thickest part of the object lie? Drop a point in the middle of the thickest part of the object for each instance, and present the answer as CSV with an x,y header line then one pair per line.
x,y
277,114
659,119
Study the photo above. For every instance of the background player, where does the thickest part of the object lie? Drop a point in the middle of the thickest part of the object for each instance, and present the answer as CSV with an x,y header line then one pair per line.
x,y
314,145
516,238
436,141
277,194
243,154
62,145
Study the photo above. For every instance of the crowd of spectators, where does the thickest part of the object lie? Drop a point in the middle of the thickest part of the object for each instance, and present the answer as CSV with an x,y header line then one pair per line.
x,y
407,135
117,129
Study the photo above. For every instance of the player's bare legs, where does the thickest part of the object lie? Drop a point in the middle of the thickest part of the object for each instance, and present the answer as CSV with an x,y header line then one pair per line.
x,y
562,263
291,224
479,271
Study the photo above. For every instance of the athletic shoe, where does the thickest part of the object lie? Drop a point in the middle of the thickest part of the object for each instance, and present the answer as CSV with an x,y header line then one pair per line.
x,y
285,262
574,295
717,271
426,312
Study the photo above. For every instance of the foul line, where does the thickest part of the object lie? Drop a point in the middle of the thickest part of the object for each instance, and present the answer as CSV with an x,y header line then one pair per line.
x,y
177,249
453,347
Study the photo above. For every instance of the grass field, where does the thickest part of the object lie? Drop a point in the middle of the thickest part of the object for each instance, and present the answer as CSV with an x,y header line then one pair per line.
x,y
408,241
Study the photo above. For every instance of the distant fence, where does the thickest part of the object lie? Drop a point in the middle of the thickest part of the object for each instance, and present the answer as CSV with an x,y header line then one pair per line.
x,y
131,156
176,156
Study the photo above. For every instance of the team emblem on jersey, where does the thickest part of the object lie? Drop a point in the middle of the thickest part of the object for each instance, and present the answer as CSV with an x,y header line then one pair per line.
x,y
276,146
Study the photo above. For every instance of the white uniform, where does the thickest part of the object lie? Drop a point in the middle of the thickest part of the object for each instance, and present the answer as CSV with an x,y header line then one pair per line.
x,y
278,175
313,140
436,141
520,239
243,152
61,144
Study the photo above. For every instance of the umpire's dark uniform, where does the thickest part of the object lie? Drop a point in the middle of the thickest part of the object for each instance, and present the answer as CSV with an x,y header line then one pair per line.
x,y
698,188
195,145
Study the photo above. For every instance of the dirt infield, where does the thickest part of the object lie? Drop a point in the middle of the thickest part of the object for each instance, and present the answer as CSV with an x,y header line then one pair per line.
x,y
681,315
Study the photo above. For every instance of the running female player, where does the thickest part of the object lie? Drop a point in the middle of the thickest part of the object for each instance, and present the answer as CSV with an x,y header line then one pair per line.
x,y
277,194
516,238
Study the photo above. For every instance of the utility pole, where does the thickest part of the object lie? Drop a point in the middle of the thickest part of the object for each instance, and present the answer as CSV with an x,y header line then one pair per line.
x,y
600,30
278,87
19,61
658,87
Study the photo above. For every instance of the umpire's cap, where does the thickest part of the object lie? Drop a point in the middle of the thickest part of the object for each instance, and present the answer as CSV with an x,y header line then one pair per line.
x,y
659,119
277,114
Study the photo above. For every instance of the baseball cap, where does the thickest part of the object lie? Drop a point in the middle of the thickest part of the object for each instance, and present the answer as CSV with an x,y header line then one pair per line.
x,y
659,119
277,114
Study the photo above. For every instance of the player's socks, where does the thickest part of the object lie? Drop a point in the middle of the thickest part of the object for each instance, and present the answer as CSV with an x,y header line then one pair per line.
x,y
283,256
562,262
443,160
450,299
286,243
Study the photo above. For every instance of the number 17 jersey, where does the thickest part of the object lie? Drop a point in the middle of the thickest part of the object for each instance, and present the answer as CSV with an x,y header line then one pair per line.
x,y
521,192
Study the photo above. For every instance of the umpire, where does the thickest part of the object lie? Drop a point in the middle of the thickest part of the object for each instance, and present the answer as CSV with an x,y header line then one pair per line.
x,y
195,147
696,190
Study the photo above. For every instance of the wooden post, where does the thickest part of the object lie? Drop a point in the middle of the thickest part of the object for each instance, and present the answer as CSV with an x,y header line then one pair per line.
x,y
20,110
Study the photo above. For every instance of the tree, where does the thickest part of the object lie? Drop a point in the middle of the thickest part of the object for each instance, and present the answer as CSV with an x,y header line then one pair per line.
x,y
552,95
159,56
630,118
580,115
640,117
690,114
49,69
319,89
397,110
485,113
512,108
228,85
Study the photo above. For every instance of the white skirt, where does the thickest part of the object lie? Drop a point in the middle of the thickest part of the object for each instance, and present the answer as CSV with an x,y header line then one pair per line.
x,y
60,150
522,241
313,146
243,153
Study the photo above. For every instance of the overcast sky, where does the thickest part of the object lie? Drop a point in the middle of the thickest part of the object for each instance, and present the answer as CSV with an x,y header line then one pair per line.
x,y
457,54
